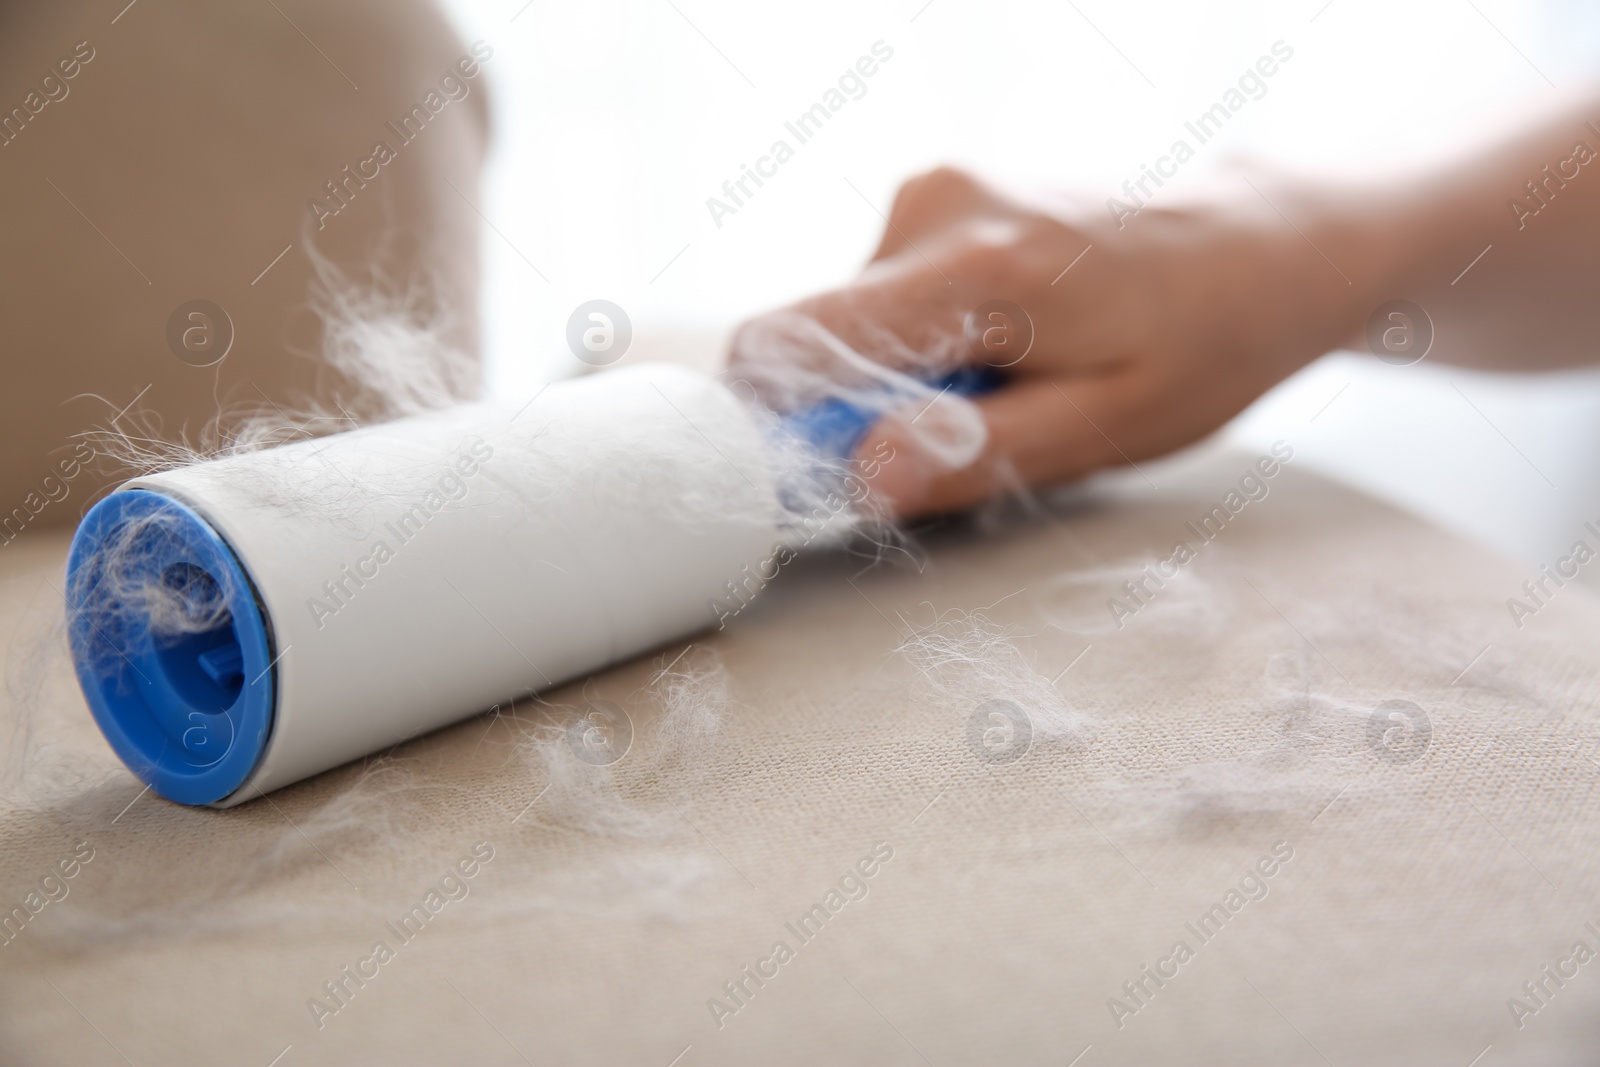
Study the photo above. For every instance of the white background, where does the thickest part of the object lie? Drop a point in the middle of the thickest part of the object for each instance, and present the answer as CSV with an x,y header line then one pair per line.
x,y
616,120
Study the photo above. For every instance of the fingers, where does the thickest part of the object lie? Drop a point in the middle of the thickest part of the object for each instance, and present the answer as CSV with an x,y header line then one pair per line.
x,y
950,245
903,315
1040,432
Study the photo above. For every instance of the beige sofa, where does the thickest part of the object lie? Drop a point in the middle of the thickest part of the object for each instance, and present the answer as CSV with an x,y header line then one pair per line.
x,y
1323,759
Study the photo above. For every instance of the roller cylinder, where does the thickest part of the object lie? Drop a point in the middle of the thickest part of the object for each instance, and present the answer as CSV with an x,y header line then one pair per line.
x,y
243,623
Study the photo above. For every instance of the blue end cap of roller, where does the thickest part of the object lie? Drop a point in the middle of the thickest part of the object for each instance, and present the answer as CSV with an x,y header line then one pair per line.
x,y
171,646
835,427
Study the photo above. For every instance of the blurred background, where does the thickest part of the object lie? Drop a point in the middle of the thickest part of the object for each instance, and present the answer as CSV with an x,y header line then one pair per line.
x,y
614,123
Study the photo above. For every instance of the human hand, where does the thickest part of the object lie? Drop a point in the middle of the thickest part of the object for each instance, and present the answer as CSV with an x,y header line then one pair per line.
x,y
1145,337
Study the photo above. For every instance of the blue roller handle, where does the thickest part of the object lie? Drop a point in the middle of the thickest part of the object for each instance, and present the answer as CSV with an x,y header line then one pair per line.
x,y
837,426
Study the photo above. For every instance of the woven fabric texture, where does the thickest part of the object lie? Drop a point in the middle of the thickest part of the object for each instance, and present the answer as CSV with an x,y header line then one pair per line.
x,y
1323,758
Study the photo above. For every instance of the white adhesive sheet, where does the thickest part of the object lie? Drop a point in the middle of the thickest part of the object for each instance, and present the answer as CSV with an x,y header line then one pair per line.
x,y
420,571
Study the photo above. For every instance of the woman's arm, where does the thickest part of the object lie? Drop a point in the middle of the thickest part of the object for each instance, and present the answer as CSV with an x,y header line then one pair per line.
x,y
1501,248
1153,330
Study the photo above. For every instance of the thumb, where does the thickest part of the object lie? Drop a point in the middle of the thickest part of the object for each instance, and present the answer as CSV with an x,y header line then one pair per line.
x,y
931,202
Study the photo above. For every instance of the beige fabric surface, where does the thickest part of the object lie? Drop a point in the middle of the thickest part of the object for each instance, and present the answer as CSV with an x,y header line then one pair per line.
x,y
1229,715
174,166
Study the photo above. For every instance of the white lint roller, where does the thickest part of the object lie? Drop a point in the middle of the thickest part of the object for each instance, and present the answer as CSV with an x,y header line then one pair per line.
x,y
246,622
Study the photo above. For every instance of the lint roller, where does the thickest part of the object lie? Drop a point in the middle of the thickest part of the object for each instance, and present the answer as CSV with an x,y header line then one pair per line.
x,y
243,623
